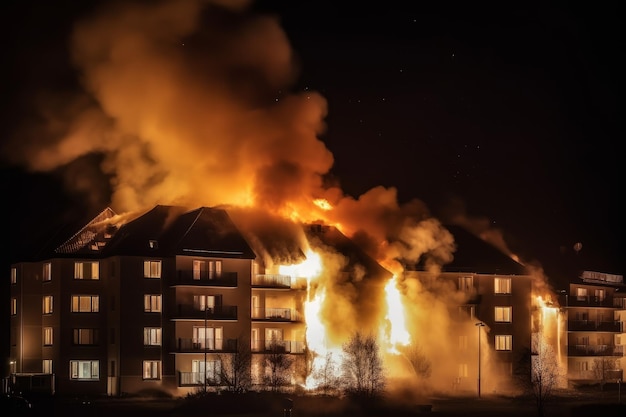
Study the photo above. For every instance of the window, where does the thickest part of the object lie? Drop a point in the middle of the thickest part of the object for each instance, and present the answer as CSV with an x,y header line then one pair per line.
x,y
47,304
462,370
13,306
152,303
466,283
85,370
47,271
46,366
199,269
599,295
581,294
86,270
152,269
504,342
152,336
466,311
211,371
503,314
151,369
502,285
85,303
85,337
209,338
47,336
463,342
215,269
13,275
204,302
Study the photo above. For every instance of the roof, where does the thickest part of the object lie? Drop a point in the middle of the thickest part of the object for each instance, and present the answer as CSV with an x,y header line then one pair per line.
x,y
475,255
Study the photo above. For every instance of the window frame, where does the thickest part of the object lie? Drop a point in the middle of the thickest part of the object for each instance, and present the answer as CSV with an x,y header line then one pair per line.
x,y
152,269
77,305
503,314
75,370
152,336
498,286
503,342
151,370
48,336
152,303
47,306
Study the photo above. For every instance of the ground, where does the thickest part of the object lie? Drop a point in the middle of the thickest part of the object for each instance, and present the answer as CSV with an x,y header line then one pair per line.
x,y
564,404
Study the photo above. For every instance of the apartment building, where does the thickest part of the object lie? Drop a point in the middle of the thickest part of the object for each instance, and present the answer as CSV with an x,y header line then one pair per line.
x,y
594,309
162,302
491,313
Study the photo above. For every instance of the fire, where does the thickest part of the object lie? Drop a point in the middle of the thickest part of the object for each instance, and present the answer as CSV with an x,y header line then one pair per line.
x,y
323,204
398,333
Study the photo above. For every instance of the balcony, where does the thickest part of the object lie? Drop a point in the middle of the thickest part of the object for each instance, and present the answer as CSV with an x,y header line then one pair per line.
x,y
211,279
271,281
191,312
194,345
276,314
196,379
594,326
585,301
594,350
610,375
277,346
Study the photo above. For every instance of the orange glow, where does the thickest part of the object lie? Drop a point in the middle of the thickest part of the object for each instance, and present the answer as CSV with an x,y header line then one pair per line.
x,y
323,204
398,333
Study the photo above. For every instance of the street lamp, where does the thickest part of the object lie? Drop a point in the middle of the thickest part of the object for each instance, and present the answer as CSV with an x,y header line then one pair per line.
x,y
479,325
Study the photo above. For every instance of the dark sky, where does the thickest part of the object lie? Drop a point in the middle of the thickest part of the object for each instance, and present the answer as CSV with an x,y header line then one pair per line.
x,y
503,112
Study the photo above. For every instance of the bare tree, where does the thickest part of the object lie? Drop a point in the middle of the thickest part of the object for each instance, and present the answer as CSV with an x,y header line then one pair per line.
x,y
418,360
235,371
362,366
602,368
277,364
539,373
327,375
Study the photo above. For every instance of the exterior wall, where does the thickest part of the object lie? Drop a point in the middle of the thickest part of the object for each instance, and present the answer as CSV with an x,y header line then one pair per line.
x,y
594,326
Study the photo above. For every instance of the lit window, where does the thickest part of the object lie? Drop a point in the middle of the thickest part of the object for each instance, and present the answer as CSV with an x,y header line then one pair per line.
x,y
581,294
215,269
152,303
206,371
85,303
47,271
47,304
46,366
47,336
504,342
85,370
13,306
503,314
13,275
209,338
502,285
466,283
152,269
152,336
86,270
199,269
151,369
463,342
204,302
85,337
462,370
599,294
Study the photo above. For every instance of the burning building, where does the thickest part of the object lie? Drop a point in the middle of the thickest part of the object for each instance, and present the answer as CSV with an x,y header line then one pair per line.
x,y
165,299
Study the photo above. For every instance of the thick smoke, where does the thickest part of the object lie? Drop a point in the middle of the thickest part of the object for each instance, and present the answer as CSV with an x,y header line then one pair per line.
x,y
191,103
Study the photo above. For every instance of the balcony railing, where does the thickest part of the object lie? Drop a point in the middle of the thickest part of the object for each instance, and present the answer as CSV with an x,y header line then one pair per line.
x,y
585,301
213,279
271,281
195,345
273,346
609,375
223,312
191,379
594,326
276,314
594,350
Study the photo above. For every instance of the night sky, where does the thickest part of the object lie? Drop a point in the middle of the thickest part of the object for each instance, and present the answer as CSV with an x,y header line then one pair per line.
x,y
504,115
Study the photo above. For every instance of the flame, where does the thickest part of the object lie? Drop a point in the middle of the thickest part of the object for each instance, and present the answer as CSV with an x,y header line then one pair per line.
x,y
398,333
323,204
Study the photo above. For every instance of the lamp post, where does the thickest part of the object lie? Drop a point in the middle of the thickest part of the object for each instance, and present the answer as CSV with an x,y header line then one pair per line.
x,y
479,325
